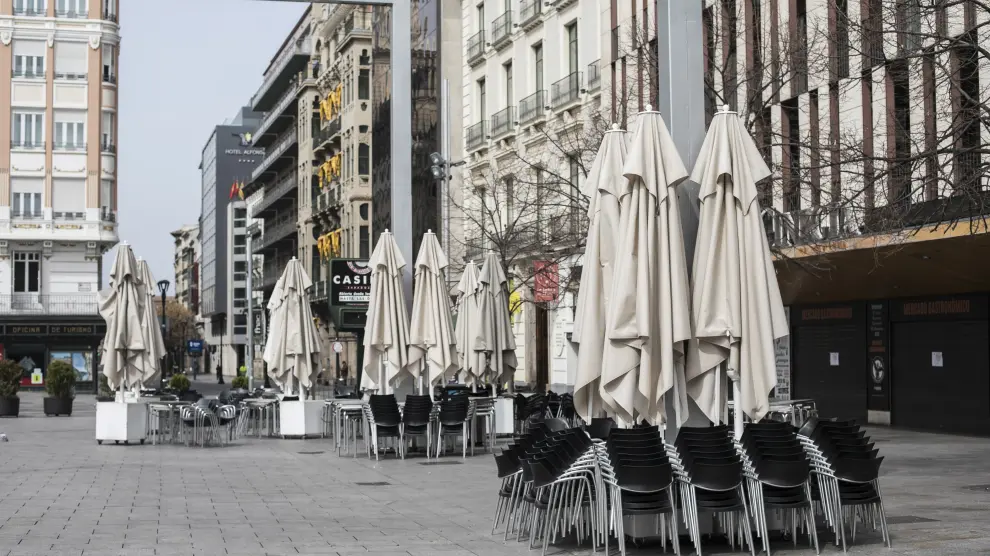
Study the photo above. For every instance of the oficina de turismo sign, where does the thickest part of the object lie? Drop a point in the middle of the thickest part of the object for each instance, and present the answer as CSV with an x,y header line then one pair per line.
x,y
350,282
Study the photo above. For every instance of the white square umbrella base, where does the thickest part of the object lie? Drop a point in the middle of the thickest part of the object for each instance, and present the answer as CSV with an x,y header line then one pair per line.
x,y
302,419
121,422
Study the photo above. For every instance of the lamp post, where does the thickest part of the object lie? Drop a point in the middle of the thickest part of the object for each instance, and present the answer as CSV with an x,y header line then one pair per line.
x,y
163,289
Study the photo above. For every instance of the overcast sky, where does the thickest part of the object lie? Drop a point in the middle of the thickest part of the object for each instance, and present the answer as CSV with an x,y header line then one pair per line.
x,y
185,66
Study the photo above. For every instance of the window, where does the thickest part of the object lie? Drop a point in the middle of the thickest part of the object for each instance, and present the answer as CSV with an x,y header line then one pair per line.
x,y
538,65
107,132
574,177
106,197
71,8
26,205
71,60
364,84
482,108
364,159
29,59
792,164
110,10
363,211
365,242
27,272
842,38
572,47
109,65
70,136
30,7
68,196
481,16
28,130
507,71
510,201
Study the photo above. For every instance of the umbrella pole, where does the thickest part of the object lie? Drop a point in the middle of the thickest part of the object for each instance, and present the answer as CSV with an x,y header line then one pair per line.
x,y
737,407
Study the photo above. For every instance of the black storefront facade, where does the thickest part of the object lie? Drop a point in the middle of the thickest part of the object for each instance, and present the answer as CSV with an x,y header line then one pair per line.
x,y
35,342
918,363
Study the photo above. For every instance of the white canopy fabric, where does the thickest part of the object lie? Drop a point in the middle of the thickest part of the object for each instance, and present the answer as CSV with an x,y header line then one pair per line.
x,y
738,311
151,325
386,333
292,349
604,185
495,335
431,334
122,306
649,319
472,361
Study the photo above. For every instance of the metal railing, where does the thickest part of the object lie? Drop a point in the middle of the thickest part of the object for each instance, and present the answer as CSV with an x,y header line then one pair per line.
x,y
321,290
110,78
27,214
529,11
68,146
277,149
300,46
328,199
109,17
476,46
28,145
108,146
532,107
566,90
28,74
594,75
70,76
108,215
280,105
354,28
49,304
22,10
72,14
475,136
504,122
502,28
69,215
274,193
277,228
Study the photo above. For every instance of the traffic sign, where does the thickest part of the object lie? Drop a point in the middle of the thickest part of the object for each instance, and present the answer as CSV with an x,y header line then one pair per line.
x,y
338,347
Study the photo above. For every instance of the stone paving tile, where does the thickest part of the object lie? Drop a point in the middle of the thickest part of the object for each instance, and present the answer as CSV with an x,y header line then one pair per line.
x,y
63,494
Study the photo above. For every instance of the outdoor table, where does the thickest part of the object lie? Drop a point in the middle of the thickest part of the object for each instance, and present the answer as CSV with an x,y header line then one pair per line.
x,y
263,410
172,421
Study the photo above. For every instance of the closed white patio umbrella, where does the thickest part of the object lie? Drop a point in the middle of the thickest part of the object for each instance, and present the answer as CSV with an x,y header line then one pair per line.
x,y
151,325
386,333
495,335
122,306
431,334
472,361
604,185
292,349
649,314
738,311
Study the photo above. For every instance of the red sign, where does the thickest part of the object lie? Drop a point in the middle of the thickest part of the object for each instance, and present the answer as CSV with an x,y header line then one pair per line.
x,y
547,281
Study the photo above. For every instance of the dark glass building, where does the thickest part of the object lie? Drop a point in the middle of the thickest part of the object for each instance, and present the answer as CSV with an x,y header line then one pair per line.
x,y
425,125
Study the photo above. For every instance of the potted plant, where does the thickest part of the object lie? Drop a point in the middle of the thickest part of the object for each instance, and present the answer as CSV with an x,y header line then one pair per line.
x,y
239,383
10,383
180,385
106,394
60,383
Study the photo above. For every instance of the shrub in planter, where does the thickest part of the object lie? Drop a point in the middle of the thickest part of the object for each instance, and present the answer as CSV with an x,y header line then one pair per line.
x,y
60,383
10,383
106,394
239,383
179,383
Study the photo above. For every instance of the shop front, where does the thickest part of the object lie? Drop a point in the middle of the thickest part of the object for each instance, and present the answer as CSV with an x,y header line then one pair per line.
x,y
34,345
829,355
940,370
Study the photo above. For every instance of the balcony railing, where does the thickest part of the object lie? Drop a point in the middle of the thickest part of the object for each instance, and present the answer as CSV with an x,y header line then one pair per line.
x,y
108,146
275,193
358,25
28,145
504,122
72,14
594,75
282,144
108,16
110,78
530,12
283,102
45,304
21,10
328,199
68,146
566,91
475,136
476,47
502,28
532,107
321,291
276,229
301,46
27,214
28,74
70,76
108,215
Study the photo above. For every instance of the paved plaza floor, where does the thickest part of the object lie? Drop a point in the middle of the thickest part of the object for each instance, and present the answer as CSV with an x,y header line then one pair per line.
x,y
61,493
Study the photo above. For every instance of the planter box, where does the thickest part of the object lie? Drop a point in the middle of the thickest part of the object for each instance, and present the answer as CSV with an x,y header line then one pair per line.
x,y
58,406
301,418
10,407
121,422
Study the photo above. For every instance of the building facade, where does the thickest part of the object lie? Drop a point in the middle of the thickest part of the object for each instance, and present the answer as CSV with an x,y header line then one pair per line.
x,y
531,104
186,267
58,178
228,160
868,114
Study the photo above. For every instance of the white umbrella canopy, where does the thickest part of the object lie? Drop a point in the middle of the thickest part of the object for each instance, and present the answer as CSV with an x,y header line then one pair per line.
x,y
737,307
122,306
649,319
604,185
472,361
292,349
431,334
386,333
495,335
151,326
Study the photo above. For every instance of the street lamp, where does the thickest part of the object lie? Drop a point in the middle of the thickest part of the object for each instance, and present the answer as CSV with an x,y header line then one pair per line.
x,y
163,289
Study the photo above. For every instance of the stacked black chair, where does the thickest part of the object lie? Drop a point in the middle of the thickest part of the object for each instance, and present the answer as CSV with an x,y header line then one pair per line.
x,y
644,476
531,407
847,467
385,421
778,473
453,420
418,418
600,428
710,470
